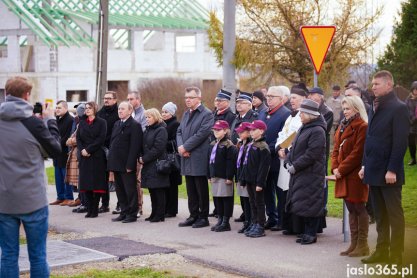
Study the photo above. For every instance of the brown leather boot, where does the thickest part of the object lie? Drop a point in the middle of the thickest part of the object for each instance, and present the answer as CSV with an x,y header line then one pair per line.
x,y
353,225
362,248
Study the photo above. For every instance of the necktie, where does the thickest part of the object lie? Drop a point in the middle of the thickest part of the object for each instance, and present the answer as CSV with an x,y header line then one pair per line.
x,y
213,153
245,162
239,157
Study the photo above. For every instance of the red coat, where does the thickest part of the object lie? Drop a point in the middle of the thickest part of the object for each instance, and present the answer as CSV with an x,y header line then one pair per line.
x,y
347,158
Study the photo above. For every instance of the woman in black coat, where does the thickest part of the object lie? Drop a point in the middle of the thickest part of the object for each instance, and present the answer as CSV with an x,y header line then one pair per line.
x,y
175,179
306,162
155,140
90,136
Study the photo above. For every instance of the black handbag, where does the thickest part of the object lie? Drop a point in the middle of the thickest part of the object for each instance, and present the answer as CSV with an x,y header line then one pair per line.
x,y
175,159
163,166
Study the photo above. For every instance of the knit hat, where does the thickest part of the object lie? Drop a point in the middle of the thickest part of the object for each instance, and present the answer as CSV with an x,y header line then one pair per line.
x,y
414,85
220,125
170,107
80,109
259,95
299,89
242,127
257,124
310,107
316,90
243,96
222,94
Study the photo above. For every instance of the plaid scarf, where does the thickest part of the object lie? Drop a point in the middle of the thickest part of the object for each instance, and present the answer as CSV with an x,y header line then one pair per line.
x,y
346,122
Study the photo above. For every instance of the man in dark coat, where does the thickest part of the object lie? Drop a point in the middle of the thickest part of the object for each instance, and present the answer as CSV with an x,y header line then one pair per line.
x,y
123,155
65,121
245,113
274,118
193,144
108,113
383,168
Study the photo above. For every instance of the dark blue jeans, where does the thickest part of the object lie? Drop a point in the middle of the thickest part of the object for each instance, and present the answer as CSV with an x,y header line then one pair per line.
x,y
63,190
36,229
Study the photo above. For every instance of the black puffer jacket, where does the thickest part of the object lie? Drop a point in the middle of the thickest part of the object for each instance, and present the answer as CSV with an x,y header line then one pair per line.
x,y
155,141
308,156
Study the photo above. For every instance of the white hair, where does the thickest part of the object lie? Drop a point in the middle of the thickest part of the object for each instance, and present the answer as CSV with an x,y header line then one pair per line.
x,y
280,90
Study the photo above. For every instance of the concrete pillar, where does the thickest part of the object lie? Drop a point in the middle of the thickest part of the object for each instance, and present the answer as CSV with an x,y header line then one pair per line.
x,y
13,54
137,48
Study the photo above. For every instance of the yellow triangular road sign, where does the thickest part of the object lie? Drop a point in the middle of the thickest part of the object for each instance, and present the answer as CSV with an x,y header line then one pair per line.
x,y
317,40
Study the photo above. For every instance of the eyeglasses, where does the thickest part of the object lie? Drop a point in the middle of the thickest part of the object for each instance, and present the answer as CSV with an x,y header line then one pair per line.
x,y
190,97
108,98
271,96
130,98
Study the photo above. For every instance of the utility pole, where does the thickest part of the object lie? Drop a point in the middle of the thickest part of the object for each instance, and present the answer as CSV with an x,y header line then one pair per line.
x,y
229,44
102,46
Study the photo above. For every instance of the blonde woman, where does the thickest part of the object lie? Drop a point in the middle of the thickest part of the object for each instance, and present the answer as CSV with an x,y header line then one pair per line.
x,y
346,164
155,139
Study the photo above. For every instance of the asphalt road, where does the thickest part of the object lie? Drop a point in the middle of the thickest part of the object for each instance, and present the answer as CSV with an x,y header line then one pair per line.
x,y
275,255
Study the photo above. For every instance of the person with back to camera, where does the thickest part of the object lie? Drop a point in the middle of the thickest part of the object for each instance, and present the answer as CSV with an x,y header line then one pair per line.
x,y
306,164
25,141
346,162
221,171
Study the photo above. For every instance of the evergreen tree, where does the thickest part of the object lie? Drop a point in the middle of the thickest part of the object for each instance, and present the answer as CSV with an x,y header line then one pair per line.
x,y
400,57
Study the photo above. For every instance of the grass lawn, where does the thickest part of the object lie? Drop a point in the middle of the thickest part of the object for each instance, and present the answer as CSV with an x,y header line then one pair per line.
x,y
127,273
334,205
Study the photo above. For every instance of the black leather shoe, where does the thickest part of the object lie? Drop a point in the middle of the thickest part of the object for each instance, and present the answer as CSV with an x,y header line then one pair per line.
x,y
377,257
241,218
269,225
149,218
157,219
103,209
287,233
119,218
80,209
201,222
188,222
117,210
307,239
276,228
129,220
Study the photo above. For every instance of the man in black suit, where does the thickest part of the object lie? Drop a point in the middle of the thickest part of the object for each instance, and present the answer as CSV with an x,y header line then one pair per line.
x,y
383,168
108,113
124,150
65,121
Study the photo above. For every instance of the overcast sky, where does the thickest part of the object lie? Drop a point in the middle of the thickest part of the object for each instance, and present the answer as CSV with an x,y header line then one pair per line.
x,y
386,21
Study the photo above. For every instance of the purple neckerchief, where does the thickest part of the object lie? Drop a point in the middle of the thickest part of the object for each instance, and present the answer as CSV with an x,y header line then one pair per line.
x,y
213,153
245,162
239,157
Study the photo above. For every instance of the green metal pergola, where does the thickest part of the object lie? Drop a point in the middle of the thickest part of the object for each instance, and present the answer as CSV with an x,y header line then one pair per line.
x,y
58,22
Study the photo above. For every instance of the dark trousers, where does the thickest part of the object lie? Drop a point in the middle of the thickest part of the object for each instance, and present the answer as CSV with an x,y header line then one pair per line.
x,y
311,224
126,192
105,197
83,199
270,196
224,206
284,217
257,205
157,202
246,208
198,196
412,144
386,201
171,195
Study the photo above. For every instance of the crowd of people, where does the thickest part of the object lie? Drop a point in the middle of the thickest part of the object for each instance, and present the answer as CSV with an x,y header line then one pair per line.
x,y
273,153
